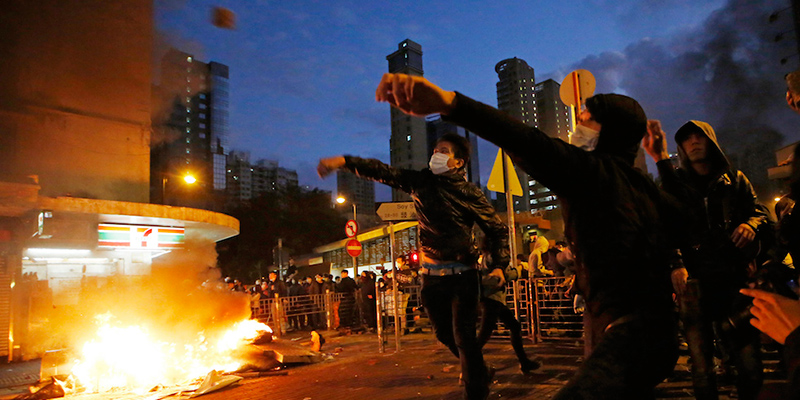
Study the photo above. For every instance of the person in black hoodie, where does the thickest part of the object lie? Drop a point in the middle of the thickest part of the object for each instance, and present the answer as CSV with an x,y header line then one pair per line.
x,y
615,221
720,243
447,208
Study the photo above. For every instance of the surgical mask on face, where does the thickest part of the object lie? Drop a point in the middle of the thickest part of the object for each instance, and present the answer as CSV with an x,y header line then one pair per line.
x,y
585,137
438,163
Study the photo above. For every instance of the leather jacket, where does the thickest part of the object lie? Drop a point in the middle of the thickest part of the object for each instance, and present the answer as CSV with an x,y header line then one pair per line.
x,y
447,207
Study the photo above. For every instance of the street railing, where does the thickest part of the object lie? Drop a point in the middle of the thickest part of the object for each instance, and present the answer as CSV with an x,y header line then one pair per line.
x,y
315,311
555,317
541,305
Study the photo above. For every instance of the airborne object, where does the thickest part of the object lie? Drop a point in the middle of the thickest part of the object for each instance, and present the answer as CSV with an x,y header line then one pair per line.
x,y
223,18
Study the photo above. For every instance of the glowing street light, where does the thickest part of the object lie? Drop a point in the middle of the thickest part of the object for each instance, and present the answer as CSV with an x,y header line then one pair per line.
x,y
342,200
188,178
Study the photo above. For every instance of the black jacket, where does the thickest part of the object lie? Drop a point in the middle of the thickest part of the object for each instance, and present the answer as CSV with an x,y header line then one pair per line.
x,y
447,207
715,205
347,285
614,214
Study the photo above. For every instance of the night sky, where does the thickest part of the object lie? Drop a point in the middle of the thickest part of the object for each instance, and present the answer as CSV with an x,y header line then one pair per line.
x,y
303,73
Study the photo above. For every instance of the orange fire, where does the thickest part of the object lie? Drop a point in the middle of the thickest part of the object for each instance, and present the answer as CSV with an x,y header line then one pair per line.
x,y
131,358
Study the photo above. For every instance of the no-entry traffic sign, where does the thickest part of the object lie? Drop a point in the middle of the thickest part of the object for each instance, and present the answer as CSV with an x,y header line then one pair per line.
x,y
353,247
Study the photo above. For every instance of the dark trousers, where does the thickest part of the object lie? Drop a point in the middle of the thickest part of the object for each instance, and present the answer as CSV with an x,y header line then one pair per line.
x,y
452,303
704,308
494,310
347,310
628,359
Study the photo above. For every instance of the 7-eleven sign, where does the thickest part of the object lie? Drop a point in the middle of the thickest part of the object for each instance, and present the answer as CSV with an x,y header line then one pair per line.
x,y
139,236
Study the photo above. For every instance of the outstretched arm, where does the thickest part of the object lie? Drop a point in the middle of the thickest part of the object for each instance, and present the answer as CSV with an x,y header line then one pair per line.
x,y
371,169
558,165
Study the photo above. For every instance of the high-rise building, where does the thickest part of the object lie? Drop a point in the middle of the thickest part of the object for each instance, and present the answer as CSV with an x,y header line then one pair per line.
x,y
409,143
515,96
437,127
190,125
240,177
551,116
246,181
356,190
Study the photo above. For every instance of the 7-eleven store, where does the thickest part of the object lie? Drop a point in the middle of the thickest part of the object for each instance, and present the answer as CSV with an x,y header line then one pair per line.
x,y
51,248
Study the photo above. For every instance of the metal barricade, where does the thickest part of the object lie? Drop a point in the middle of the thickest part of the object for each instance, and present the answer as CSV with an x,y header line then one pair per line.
x,y
518,300
412,315
316,311
555,318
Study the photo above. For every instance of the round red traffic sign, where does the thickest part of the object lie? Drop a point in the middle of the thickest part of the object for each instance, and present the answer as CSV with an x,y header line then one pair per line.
x,y
351,228
353,247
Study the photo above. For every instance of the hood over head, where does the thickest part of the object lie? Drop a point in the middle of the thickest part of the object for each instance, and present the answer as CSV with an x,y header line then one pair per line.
x,y
624,124
541,245
715,154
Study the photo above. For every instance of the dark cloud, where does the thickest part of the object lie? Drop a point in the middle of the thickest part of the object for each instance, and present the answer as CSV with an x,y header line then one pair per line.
x,y
726,72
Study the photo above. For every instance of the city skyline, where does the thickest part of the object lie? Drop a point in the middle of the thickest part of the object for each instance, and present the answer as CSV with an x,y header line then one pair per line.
x,y
303,75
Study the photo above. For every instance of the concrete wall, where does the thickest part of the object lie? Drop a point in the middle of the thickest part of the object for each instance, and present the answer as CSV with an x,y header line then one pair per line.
x,y
75,96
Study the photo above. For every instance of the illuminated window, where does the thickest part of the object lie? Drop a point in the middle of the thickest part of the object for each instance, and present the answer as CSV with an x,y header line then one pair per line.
x,y
408,138
189,59
188,119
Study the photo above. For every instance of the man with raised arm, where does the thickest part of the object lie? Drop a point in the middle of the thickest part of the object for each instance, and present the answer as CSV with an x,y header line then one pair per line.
x,y
615,220
447,208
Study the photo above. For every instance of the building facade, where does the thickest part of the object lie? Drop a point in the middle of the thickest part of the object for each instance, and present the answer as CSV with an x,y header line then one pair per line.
x,y
190,124
408,143
356,190
515,96
551,116
246,180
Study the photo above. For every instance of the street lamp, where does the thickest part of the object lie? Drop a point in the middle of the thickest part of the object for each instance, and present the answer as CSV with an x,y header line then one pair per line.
x,y
342,200
188,178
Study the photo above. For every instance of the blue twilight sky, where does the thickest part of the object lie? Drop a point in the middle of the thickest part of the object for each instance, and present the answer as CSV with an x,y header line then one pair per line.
x,y
303,73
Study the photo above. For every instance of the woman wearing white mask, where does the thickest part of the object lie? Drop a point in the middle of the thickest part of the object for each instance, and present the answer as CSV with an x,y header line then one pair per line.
x,y
447,207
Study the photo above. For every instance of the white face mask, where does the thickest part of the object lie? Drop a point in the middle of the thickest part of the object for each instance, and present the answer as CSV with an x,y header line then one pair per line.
x,y
438,163
585,137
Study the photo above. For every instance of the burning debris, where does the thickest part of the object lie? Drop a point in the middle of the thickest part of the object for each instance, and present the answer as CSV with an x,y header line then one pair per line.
x,y
130,363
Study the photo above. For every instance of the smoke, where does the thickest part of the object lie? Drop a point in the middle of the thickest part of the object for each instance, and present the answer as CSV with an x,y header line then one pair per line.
x,y
726,72
182,297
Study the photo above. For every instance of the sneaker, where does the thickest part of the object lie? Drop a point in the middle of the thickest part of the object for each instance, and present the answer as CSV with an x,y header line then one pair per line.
x,y
529,365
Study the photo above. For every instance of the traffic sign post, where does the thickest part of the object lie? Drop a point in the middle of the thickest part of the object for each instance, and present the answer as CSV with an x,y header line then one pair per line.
x,y
353,247
575,89
397,211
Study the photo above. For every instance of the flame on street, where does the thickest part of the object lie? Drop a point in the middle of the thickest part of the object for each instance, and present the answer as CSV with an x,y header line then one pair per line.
x,y
132,358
